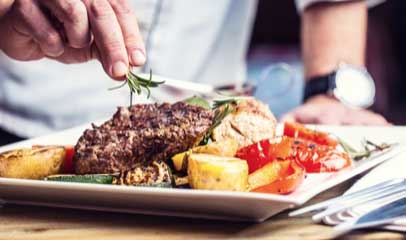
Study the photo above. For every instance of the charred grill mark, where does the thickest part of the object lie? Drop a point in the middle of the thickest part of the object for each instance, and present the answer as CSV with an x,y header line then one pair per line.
x,y
236,129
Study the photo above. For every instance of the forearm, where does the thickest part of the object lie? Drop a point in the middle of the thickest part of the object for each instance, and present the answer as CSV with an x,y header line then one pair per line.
x,y
333,33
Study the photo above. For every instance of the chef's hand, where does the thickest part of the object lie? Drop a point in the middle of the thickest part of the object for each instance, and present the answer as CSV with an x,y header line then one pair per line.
x,y
322,109
74,31
5,6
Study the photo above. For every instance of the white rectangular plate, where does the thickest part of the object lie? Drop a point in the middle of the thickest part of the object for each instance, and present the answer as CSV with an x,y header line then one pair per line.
x,y
237,206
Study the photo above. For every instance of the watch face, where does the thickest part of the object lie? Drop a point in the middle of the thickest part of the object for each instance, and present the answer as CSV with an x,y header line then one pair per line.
x,y
354,86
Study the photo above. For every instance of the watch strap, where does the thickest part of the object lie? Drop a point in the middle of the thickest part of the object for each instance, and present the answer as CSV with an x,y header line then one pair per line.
x,y
319,85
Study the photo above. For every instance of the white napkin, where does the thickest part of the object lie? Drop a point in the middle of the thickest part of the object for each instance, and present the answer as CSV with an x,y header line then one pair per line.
x,y
393,168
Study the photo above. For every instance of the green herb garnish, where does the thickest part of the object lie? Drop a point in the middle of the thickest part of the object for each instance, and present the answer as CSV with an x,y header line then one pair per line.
x,y
137,84
226,101
222,108
197,101
368,148
219,116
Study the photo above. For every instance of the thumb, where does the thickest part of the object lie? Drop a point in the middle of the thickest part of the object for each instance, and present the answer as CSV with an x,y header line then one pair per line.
x,y
5,6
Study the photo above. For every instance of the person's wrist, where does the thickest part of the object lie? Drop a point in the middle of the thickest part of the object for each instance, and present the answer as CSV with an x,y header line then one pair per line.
x,y
319,85
341,83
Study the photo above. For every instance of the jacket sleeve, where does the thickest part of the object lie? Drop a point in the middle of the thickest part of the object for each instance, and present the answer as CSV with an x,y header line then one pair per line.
x,y
301,5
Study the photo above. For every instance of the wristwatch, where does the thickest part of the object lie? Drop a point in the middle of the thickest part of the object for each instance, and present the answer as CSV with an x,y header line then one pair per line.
x,y
349,84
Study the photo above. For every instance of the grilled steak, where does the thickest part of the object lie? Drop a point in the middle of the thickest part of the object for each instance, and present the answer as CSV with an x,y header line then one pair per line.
x,y
141,134
251,122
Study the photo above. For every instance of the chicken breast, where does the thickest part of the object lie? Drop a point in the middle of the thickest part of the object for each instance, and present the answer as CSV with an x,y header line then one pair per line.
x,y
251,122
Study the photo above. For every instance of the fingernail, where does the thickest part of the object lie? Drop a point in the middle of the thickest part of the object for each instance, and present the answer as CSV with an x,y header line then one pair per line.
x,y
138,58
56,52
119,69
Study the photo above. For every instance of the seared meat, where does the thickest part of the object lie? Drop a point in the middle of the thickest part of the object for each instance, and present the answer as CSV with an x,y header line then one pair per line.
x,y
251,122
141,134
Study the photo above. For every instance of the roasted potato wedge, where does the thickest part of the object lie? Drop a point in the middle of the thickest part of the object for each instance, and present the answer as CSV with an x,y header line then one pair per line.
x,y
217,173
227,148
32,163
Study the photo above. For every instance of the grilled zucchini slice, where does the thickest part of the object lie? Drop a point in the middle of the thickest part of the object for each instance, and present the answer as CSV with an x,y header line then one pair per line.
x,y
88,178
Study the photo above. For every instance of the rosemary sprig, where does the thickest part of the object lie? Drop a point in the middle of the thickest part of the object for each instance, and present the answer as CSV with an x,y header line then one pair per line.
x,y
136,84
222,108
226,101
197,101
219,116
368,148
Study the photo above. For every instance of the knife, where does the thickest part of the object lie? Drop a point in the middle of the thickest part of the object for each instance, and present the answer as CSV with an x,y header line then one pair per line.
x,y
391,213
183,85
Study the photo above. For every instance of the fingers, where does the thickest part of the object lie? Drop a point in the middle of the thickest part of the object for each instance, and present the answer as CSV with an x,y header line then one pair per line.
x,y
78,55
334,114
307,113
73,15
5,6
131,33
108,37
365,117
111,23
17,45
32,22
326,110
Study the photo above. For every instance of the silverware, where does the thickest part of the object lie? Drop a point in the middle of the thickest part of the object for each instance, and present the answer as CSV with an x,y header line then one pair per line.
x,y
183,85
386,215
394,192
206,90
362,194
386,204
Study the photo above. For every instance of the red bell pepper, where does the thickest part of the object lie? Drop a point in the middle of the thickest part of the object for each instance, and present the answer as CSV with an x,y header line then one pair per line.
x,y
68,163
291,176
317,158
296,130
261,153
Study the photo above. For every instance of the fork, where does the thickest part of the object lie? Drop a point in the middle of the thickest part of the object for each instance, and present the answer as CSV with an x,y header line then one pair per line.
x,y
375,196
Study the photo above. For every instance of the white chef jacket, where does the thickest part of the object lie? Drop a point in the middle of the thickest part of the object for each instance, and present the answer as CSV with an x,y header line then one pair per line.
x,y
194,40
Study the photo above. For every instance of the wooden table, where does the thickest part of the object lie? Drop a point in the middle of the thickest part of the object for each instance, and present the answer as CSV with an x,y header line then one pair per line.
x,y
25,222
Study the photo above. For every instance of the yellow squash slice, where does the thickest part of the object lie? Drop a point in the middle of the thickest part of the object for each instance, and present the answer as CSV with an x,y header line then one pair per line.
x,y
217,173
227,148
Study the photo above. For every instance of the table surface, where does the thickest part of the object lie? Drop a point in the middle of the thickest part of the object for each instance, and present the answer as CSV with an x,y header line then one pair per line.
x,y
27,222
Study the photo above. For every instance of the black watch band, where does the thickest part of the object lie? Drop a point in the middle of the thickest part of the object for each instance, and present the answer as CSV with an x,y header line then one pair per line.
x,y
319,85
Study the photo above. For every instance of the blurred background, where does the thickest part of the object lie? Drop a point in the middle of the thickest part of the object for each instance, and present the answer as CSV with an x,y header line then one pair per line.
x,y
275,39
